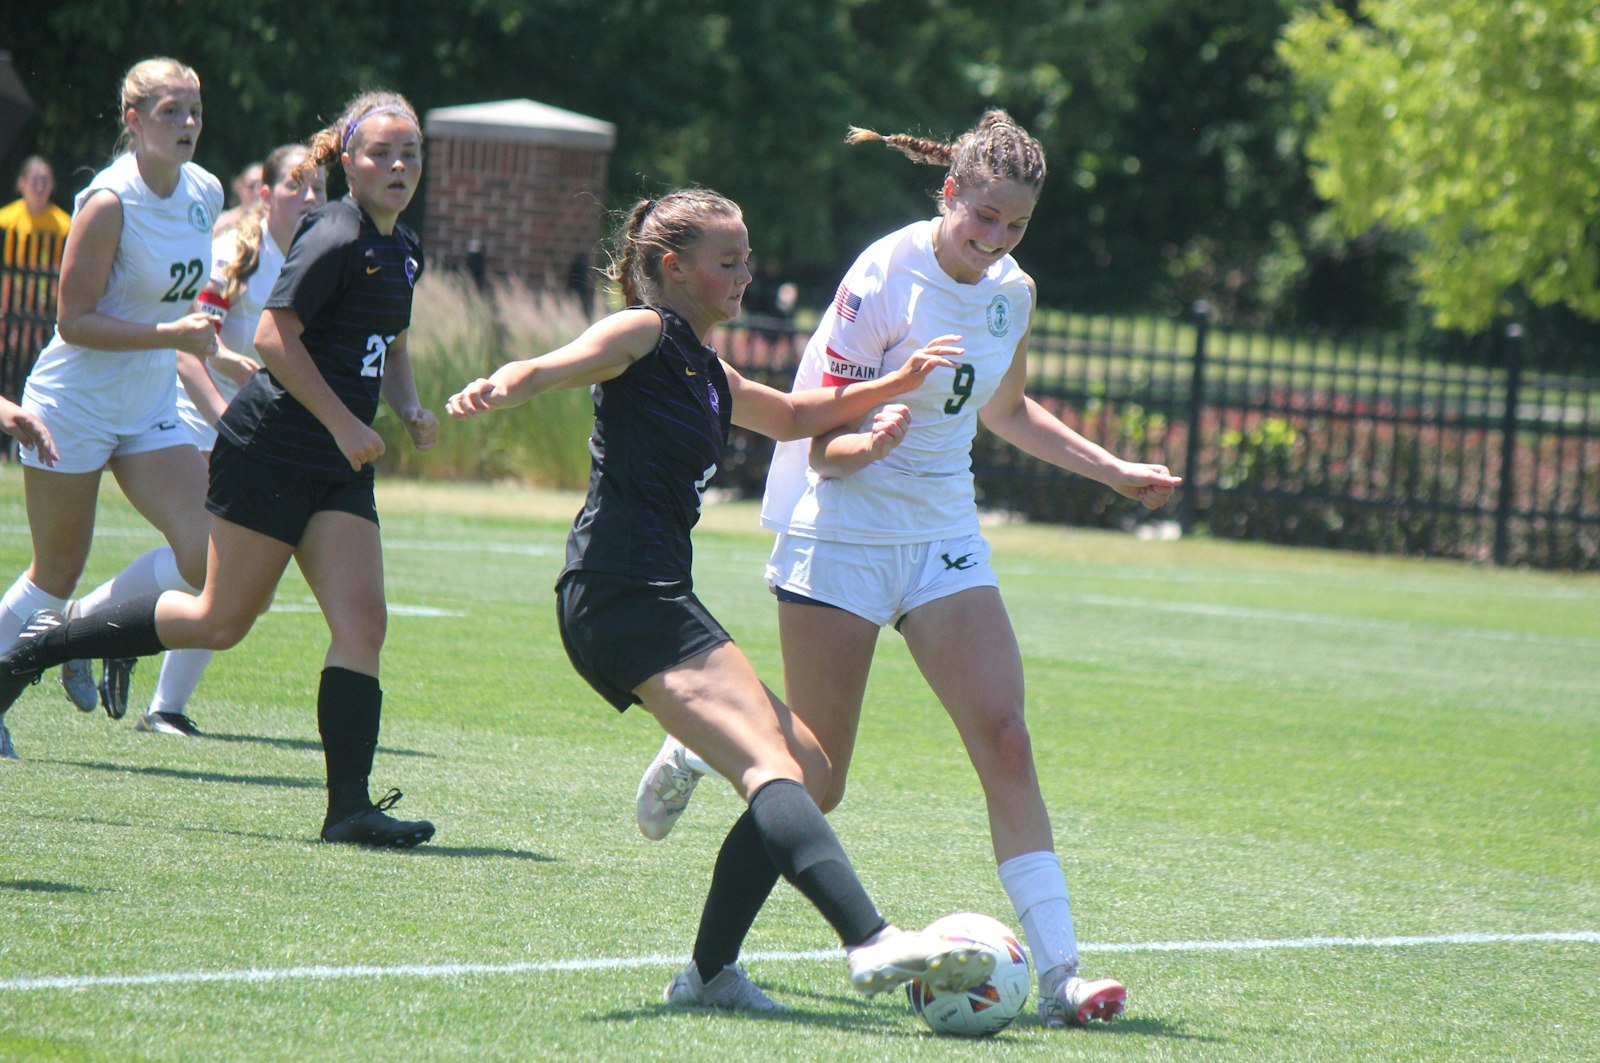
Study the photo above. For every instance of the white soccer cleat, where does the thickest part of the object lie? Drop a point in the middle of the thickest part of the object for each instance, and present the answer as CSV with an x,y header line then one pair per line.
x,y
1077,1002
664,791
730,989
894,957
77,677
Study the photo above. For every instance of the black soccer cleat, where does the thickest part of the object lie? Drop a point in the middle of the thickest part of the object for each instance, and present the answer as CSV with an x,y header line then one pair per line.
x,y
19,666
371,827
116,676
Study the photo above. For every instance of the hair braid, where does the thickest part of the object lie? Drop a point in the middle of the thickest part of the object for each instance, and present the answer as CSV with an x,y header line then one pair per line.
x,y
997,148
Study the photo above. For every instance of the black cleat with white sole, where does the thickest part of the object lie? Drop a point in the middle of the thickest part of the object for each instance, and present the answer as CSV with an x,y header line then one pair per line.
x,y
19,666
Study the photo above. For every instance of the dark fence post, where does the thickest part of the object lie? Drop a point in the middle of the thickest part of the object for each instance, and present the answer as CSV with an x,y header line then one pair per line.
x,y
1197,404
477,267
1508,444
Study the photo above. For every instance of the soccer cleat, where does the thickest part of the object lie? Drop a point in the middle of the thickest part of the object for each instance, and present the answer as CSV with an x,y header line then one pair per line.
x,y
115,679
77,677
168,723
730,989
372,827
7,750
1076,1002
664,791
893,957
19,668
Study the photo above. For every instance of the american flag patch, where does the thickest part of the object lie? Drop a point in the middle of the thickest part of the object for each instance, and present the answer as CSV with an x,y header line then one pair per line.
x,y
846,303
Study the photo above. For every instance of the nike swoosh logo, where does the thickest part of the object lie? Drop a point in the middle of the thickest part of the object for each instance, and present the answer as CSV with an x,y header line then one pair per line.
x,y
690,372
373,269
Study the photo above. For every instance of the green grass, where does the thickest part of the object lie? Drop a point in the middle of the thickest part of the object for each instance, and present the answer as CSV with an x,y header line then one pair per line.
x,y
1239,744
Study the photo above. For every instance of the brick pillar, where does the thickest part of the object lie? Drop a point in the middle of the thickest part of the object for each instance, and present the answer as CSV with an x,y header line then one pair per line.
x,y
524,181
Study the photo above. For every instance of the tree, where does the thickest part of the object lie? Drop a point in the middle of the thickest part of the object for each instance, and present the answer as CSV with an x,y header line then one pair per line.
x,y
1471,126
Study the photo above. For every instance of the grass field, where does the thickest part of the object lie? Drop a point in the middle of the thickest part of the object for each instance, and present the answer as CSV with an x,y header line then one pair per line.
x,y
1312,807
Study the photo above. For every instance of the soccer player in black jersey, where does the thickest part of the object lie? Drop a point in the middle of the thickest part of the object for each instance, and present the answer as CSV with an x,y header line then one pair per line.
x,y
291,473
629,618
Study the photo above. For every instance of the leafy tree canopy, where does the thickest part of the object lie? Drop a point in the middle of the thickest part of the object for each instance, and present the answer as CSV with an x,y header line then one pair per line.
x,y
1472,126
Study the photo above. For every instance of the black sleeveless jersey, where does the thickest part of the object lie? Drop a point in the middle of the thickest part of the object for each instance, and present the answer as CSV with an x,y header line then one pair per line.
x,y
659,431
351,287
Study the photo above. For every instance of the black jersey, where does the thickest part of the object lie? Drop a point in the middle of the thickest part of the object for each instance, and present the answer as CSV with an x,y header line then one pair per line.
x,y
659,431
351,287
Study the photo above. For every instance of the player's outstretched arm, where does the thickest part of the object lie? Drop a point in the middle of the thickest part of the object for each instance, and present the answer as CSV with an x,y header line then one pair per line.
x,y
602,352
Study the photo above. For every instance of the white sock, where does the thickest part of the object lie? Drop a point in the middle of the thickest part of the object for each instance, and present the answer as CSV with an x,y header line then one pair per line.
x,y
152,571
693,761
20,602
1038,892
180,674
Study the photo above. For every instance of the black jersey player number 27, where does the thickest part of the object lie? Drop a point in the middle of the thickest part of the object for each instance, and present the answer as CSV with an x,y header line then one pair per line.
x,y
377,351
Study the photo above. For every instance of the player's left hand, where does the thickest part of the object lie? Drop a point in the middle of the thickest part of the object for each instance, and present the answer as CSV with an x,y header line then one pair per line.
x,y
423,426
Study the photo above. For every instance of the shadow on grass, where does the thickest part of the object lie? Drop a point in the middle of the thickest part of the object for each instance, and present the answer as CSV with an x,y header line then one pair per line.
x,y
314,744
30,885
475,851
198,776
886,1015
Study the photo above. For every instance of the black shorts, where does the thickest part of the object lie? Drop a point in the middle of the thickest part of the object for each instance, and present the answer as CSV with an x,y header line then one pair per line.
x,y
620,631
280,500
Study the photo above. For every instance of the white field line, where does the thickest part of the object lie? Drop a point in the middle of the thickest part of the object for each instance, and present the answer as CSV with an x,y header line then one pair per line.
x,y
457,970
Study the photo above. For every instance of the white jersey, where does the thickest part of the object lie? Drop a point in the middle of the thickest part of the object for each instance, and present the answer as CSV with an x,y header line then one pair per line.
x,y
894,300
160,266
239,328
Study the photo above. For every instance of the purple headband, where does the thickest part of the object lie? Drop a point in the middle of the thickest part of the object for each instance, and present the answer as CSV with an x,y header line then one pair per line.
x,y
382,108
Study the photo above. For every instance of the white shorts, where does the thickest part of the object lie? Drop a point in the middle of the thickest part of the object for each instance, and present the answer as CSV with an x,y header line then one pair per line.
x,y
201,432
880,583
86,447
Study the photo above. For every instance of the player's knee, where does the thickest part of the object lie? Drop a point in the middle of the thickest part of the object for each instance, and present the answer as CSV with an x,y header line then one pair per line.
x,y
1008,745
226,631
833,796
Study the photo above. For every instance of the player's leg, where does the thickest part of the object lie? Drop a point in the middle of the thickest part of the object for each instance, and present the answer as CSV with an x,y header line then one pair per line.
x,y
981,687
827,657
718,706
341,557
167,485
61,510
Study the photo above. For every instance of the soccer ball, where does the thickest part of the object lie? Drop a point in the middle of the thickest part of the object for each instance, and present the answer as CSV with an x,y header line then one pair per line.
x,y
984,1009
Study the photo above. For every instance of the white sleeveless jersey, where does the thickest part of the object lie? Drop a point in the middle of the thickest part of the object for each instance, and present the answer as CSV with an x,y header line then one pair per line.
x,y
894,300
239,330
160,266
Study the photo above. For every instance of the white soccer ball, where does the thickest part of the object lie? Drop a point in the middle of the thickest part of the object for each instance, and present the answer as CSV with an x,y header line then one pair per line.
x,y
984,1009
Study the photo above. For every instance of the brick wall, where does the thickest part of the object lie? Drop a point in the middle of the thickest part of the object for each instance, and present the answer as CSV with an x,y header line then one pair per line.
x,y
535,209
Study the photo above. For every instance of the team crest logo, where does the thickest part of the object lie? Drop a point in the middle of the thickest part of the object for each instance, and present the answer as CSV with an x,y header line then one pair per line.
x,y
200,217
716,403
999,316
411,271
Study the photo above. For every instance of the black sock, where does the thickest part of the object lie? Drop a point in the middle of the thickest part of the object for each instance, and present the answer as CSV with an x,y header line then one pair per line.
x,y
740,883
805,851
127,629
349,705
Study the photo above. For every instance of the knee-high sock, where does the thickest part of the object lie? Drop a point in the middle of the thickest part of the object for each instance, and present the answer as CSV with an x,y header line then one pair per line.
x,y
349,708
180,674
1038,892
154,570
806,852
124,630
22,600
740,883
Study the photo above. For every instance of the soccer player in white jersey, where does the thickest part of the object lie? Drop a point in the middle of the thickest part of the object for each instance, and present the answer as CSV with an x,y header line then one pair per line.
x,y
245,262
106,385
868,538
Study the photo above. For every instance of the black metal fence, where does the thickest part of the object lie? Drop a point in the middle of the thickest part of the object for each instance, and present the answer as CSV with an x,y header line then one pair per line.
x,y
27,306
1479,448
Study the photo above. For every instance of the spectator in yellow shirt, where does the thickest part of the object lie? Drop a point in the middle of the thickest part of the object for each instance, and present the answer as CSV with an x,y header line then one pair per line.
x,y
34,216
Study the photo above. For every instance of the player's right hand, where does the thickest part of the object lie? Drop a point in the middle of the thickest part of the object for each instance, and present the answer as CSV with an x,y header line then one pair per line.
x,y
888,429
359,444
